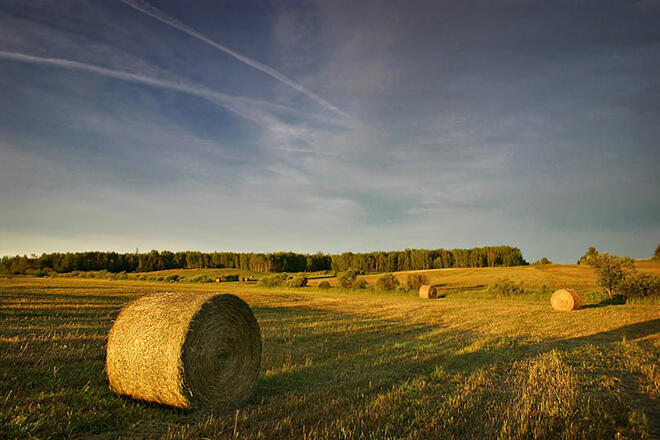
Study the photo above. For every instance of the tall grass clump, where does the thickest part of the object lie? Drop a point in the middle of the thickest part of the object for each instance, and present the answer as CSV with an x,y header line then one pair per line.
x,y
506,287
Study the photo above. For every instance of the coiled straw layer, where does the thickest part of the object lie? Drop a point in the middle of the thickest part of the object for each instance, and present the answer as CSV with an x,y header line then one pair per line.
x,y
185,350
428,292
566,300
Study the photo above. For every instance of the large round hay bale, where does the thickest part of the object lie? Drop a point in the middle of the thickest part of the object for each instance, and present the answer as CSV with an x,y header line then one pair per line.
x,y
185,350
566,300
428,292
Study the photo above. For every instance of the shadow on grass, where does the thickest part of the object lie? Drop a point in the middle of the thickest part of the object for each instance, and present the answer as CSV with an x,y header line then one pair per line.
x,y
389,351
446,287
346,351
306,352
517,351
617,300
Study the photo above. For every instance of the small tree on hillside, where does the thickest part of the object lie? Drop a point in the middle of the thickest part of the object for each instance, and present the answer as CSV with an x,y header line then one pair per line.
x,y
611,270
590,253
656,256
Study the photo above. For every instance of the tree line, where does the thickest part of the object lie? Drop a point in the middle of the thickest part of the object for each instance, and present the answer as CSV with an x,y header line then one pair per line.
x,y
409,259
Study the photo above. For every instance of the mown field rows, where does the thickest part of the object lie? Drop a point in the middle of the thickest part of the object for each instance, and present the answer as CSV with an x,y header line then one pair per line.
x,y
551,275
347,365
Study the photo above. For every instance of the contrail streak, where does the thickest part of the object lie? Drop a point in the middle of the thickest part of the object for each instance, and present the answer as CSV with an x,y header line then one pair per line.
x,y
151,11
241,106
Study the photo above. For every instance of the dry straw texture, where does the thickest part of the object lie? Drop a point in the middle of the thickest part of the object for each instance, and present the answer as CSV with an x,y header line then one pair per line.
x,y
428,292
566,300
185,350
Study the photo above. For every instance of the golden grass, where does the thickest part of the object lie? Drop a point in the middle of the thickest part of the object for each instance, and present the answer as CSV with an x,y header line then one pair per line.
x,y
352,365
552,276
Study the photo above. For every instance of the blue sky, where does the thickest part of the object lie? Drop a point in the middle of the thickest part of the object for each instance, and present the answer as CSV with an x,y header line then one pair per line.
x,y
330,125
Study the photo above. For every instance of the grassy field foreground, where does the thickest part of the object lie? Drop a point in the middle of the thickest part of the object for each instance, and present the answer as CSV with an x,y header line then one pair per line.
x,y
345,365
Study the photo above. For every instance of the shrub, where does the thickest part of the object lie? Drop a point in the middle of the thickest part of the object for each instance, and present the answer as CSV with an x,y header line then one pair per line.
x,y
200,279
387,282
346,279
416,280
324,285
543,260
639,284
611,270
172,278
360,283
297,281
506,287
274,280
232,277
656,255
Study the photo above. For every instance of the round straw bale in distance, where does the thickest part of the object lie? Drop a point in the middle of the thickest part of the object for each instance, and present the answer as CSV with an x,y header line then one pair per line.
x,y
428,292
185,350
566,300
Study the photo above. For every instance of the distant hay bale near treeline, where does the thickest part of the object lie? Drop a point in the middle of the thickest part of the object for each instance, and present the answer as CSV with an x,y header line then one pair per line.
x,y
428,292
566,300
185,350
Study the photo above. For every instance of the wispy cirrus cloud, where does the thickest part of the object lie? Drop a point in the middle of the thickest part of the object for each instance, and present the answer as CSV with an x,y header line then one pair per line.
x,y
245,107
159,15
531,124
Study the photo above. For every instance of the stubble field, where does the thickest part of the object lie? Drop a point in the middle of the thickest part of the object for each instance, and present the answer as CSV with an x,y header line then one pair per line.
x,y
347,365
